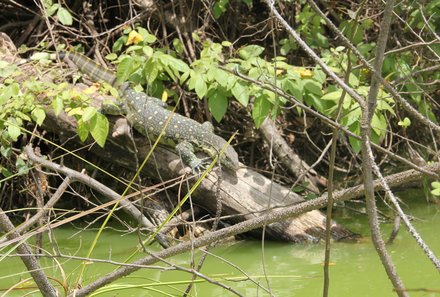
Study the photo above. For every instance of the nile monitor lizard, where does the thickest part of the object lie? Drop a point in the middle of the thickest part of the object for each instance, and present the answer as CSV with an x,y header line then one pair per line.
x,y
149,117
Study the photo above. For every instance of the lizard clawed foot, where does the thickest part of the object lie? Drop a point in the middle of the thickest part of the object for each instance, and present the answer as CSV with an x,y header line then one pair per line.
x,y
200,165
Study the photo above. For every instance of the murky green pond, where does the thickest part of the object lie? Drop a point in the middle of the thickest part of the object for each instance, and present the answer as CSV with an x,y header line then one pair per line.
x,y
292,270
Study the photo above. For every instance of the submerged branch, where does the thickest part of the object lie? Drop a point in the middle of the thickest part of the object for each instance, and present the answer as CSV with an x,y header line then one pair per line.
x,y
276,216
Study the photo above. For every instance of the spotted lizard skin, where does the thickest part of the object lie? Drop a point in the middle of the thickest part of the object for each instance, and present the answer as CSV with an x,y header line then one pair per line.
x,y
149,117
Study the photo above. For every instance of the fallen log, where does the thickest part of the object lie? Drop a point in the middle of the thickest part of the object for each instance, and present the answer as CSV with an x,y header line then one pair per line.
x,y
244,194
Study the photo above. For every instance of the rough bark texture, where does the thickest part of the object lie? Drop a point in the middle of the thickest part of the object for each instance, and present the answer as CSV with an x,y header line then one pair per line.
x,y
245,193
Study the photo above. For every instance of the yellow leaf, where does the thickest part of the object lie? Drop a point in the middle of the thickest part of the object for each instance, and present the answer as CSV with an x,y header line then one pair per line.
x,y
164,96
134,38
306,73
303,72
91,90
75,111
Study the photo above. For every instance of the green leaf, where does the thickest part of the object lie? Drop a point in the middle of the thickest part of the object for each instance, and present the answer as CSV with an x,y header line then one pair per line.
x,y
119,44
352,116
150,71
241,92
6,151
148,38
23,116
435,192
435,185
356,144
179,65
405,123
75,111
148,51
333,96
125,68
13,132
40,57
313,86
319,75
250,51
52,9
294,87
178,46
58,104
261,109
133,48
6,69
379,124
21,166
5,171
255,72
353,80
38,115
221,77
64,16
82,130
200,86
111,56
88,113
99,128
218,104
8,92
384,105
219,8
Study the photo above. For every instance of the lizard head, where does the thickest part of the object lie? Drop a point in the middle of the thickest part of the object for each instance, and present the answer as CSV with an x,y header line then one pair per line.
x,y
229,158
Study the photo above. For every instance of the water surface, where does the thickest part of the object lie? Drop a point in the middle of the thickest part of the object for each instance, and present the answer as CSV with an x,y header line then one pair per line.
x,y
292,270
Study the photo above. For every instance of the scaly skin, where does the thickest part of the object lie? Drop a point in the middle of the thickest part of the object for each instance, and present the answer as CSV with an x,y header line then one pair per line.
x,y
148,116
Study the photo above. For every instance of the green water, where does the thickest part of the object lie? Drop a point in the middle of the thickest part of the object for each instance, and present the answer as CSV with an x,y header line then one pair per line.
x,y
292,270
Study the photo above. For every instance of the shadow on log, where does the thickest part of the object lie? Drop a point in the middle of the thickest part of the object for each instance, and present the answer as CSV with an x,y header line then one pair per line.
x,y
245,194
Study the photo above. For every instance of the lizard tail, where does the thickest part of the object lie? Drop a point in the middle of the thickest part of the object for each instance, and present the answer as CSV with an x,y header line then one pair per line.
x,y
92,69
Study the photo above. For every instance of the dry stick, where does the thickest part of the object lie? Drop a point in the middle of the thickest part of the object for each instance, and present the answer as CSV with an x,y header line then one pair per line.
x,y
368,158
127,206
218,213
331,173
41,212
395,231
334,140
288,157
275,216
408,107
29,260
196,273
429,253
427,22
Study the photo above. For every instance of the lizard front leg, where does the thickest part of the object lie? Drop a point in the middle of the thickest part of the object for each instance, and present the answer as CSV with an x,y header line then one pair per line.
x,y
186,152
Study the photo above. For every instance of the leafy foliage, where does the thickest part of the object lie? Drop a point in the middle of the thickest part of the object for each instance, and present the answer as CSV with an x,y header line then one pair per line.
x,y
62,13
212,78
20,105
211,81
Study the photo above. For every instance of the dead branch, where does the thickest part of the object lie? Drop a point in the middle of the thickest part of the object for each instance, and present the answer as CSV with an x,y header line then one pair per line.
x,y
127,206
289,158
26,256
